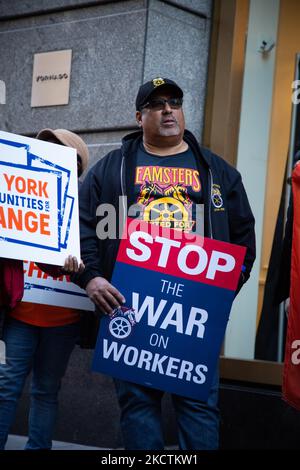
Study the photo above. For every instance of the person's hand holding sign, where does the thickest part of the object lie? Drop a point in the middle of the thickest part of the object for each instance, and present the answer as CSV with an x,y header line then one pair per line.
x,y
104,294
71,265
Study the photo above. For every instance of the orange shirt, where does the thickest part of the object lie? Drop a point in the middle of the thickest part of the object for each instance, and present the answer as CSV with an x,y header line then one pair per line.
x,y
44,315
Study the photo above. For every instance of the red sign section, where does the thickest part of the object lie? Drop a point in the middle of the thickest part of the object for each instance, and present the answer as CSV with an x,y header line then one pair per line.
x,y
180,254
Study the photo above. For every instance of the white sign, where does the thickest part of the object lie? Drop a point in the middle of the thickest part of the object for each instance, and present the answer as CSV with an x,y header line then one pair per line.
x,y
38,200
40,288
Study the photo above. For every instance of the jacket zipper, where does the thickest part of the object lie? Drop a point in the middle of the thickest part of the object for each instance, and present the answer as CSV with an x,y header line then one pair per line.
x,y
209,205
122,188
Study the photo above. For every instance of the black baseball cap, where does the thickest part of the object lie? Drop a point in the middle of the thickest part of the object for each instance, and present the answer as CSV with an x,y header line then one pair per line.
x,y
148,88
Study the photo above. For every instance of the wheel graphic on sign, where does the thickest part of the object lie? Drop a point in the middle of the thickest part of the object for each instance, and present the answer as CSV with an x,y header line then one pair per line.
x,y
121,323
120,327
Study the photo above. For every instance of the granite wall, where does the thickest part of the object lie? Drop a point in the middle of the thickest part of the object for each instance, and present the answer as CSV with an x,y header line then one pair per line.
x,y
115,47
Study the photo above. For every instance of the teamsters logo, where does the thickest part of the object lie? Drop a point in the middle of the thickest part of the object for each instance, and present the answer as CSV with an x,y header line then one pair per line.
x,y
158,81
216,197
121,322
170,210
164,195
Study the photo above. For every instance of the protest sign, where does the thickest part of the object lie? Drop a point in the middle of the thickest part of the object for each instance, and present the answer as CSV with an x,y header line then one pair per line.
x,y
40,288
38,200
178,297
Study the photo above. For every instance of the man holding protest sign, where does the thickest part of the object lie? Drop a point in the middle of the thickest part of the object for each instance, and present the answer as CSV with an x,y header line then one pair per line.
x,y
165,175
37,337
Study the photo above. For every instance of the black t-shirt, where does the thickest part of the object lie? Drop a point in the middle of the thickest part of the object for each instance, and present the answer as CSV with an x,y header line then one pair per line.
x,y
167,189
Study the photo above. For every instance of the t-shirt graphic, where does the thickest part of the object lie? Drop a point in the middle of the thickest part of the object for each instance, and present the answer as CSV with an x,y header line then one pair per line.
x,y
167,189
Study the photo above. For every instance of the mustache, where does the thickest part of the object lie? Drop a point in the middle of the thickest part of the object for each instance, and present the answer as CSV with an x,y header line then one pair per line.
x,y
169,118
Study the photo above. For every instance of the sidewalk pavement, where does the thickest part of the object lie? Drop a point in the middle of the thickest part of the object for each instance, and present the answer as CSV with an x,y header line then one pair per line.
x,y
15,442
18,443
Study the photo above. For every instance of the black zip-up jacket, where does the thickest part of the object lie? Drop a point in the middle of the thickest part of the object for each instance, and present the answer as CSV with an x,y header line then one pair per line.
x,y
113,176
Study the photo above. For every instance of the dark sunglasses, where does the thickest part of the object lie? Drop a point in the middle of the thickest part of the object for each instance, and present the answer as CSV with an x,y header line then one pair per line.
x,y
159,104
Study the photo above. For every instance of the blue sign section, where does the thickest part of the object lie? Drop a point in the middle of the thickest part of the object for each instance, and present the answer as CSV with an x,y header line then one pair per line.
x,y
168,336
14,144
64,172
